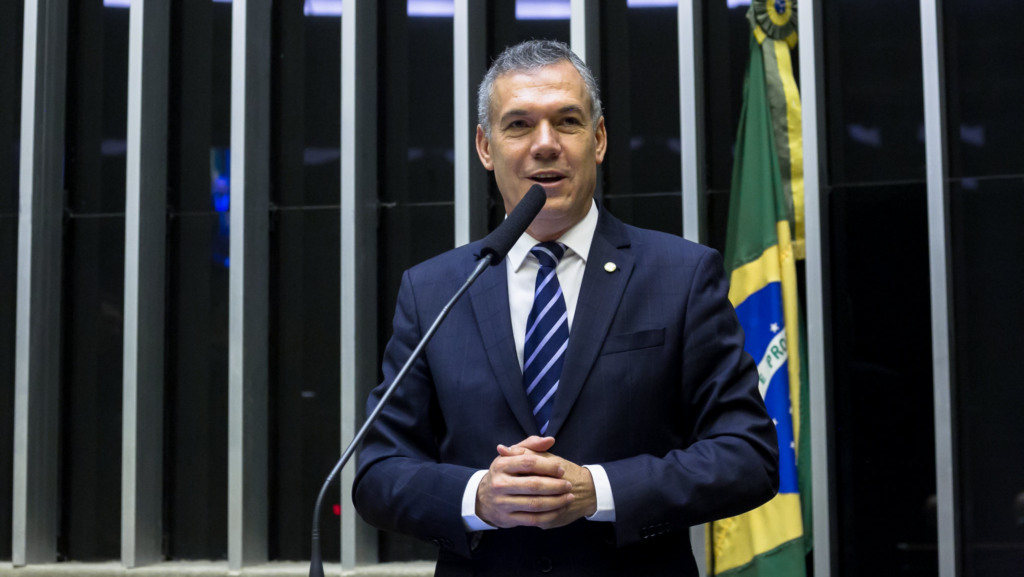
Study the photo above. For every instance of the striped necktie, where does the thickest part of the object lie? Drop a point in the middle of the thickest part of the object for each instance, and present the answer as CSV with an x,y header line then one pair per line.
x,y
547,335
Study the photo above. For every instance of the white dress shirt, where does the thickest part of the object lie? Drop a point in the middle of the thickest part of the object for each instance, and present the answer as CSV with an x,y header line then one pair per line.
x,y
522,268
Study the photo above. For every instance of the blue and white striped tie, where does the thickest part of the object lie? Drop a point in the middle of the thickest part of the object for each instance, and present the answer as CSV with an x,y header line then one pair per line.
x,y
547,335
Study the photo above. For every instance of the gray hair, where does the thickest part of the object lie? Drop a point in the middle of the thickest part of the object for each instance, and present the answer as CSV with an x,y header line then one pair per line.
x,y
527,57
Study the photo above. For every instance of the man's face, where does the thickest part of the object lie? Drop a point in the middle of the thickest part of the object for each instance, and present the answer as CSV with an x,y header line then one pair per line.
x,y
542,133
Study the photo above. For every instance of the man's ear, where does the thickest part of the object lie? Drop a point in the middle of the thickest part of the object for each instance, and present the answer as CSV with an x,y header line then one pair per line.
x,y
483,148
601,140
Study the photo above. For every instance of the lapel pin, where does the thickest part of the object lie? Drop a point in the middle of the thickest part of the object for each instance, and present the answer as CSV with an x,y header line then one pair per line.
x,y
610,267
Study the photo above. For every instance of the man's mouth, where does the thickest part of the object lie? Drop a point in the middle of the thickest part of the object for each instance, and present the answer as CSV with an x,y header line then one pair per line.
x,y
547,178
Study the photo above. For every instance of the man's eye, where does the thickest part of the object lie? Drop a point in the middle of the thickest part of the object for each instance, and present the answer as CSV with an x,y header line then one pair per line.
x,y
516,124
572,121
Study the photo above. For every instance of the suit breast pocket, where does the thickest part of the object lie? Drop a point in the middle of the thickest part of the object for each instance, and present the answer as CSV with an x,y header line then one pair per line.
x,y
633,341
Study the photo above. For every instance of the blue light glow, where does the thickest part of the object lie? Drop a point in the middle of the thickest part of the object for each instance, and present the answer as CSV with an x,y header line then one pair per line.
x,y
111,147
220,197
431,8
322,8
127,3
973,134
653,3
415,8
867,135
313,156
542,9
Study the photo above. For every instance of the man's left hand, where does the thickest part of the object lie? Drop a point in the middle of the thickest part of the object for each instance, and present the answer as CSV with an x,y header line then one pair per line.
x,y
584,503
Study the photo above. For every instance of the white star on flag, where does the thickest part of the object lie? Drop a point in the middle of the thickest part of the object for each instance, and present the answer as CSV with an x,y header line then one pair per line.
x,y
775,327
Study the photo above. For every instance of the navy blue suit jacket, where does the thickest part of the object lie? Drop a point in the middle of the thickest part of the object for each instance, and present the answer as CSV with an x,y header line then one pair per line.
x,y
656,388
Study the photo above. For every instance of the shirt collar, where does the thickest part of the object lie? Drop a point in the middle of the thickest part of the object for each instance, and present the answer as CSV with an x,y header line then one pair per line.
x,y
576,240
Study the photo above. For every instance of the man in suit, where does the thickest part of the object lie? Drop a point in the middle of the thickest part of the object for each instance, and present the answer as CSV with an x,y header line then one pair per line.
x,y
590,400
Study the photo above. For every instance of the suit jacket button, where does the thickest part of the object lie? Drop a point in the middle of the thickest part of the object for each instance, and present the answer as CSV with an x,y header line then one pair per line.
x,y
543,565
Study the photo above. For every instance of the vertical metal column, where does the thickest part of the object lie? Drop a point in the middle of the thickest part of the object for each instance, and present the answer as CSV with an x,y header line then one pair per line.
x,y
811,62
691,135
358,251
691,115
249,284
585,41
145,233
38,323
470,51
584,33
943,361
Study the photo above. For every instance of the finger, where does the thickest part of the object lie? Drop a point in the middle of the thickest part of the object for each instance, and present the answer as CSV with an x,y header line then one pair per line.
x,y
506,501
537,444
530,464
532,504
512,451
530,485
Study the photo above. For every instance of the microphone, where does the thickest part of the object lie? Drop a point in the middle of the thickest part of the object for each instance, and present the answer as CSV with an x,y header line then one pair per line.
x,y
495,247
498,243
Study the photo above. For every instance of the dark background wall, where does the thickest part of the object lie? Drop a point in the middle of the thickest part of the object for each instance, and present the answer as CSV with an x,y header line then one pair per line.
x,y
874,223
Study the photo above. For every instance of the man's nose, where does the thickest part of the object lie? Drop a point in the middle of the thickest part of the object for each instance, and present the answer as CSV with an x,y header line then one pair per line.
x,y
545,141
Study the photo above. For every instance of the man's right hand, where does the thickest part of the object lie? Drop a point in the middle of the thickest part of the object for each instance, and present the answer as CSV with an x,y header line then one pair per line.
x,y
524,489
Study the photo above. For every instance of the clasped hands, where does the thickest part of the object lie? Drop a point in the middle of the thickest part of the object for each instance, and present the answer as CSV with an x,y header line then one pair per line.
x,y
528,486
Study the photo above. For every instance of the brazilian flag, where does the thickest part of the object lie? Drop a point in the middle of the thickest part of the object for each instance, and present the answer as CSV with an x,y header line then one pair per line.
x,y
760,255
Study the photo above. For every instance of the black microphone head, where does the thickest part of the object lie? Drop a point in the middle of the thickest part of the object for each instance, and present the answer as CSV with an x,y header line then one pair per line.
x,y
500,241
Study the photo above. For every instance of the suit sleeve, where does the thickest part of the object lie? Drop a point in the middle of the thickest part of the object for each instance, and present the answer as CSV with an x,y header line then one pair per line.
x,y
400,484
731,463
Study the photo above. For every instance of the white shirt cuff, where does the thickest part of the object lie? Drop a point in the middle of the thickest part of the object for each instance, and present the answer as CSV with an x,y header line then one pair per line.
x,y
469,518
603,491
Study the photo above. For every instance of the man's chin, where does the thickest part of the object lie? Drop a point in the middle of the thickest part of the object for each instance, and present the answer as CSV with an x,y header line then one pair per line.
x,y
550,224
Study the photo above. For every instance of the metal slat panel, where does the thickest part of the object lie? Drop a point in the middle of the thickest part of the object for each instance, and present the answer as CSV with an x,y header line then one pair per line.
x,y
939,270
249,284
470,52
358,252
584,36
38,321
812,91
691,114
691,134
145,233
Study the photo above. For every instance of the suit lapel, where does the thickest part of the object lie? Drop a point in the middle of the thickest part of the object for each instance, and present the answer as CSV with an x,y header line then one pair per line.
x,y
600,295
490,307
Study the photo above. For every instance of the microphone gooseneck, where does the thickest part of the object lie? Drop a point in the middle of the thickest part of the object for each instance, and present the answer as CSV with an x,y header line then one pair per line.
x,y
495,247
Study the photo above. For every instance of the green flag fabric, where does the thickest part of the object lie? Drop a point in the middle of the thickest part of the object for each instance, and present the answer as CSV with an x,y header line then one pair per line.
x,y
760,256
